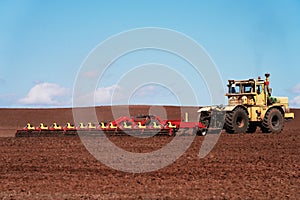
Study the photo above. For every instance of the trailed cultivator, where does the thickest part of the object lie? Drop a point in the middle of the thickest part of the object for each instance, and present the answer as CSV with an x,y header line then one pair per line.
x,y
140,125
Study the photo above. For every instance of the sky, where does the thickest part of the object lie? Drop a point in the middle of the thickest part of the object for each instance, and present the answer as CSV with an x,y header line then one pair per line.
x,y
44,43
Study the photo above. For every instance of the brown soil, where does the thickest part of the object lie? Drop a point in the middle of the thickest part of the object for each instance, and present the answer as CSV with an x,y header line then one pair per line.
x,y
242,166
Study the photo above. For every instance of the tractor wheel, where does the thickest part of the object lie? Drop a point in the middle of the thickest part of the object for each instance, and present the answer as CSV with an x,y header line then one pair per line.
x,y
273,121
252,128
236,121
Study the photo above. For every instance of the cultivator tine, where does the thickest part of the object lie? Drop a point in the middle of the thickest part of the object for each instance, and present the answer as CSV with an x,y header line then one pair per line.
x,y
135,126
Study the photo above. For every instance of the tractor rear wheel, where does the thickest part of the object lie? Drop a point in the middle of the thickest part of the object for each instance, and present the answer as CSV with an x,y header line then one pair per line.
x,y
236,121
273,121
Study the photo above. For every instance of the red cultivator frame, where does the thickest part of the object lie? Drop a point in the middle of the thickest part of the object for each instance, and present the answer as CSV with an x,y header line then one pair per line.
x,y
139,125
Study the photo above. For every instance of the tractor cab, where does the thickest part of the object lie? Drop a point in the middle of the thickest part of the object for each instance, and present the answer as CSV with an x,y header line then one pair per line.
x,y
251,105
241,92
249,92
241,87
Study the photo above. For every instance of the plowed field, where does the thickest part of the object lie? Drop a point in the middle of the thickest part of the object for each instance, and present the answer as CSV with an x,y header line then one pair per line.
x,y
241,166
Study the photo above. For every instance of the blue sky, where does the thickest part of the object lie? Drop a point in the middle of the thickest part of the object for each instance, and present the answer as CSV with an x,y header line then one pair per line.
x,y
43,43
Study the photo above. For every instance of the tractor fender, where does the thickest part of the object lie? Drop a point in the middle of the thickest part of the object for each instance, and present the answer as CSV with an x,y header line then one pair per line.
x,y
241,106
281,109
231,108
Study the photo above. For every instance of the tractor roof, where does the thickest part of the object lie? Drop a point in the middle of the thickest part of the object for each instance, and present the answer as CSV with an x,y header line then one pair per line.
x,y
246,81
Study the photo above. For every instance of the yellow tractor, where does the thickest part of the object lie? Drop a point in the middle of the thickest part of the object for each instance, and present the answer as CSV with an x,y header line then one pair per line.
x,y
250,105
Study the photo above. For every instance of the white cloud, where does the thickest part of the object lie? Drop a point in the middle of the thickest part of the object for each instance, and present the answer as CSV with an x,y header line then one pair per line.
x,y
103,95
296,101
118,95
296,89
44,94
147,90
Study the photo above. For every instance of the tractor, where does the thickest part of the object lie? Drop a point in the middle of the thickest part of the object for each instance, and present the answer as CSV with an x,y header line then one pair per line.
x,y
250,105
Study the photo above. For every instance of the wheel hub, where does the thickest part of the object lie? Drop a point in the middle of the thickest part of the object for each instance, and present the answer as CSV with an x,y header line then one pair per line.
x,y
240,122
275,121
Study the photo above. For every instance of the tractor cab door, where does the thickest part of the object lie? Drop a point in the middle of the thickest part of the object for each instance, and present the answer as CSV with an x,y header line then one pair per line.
x,y
260,97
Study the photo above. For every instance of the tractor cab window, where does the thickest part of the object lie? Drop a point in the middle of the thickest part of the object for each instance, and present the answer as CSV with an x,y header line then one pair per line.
x,y
233,88
258,89
248,88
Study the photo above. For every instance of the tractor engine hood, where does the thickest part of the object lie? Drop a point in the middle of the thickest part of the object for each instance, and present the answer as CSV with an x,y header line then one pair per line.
x,y
282,100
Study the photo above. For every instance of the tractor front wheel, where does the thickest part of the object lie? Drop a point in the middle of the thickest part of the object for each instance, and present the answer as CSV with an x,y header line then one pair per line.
x,y
273,121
